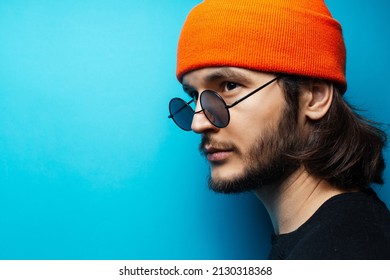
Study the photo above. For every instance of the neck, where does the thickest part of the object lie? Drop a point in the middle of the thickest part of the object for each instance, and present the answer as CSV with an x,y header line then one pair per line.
x,y
293,201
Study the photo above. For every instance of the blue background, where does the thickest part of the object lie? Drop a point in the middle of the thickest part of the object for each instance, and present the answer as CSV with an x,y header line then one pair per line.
x,y
90,165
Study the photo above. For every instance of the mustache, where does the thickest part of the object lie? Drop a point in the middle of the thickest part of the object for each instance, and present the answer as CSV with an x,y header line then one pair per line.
x,y
208,141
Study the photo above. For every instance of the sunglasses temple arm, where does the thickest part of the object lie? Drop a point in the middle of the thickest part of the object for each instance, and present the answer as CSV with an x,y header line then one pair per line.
x,y
252,93
184,106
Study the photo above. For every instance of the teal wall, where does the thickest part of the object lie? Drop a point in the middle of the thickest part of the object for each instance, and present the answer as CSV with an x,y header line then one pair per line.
x,y
90,165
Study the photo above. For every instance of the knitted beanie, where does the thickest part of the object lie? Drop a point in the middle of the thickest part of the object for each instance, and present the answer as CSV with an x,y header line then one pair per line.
x,y
297,37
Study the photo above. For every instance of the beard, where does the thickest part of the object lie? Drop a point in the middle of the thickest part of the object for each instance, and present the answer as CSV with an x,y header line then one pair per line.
x,y
268,161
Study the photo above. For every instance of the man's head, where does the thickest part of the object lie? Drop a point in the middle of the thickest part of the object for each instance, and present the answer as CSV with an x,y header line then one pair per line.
x,y
295,48
264,129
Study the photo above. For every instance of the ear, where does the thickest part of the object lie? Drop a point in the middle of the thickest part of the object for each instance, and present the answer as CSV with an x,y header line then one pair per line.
x,y
316,99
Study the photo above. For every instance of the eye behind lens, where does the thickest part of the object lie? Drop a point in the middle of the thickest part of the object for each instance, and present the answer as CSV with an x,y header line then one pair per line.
x,y
215,108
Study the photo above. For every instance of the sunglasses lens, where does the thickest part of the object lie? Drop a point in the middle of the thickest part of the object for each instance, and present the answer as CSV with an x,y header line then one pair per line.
x,y
214,108
182,114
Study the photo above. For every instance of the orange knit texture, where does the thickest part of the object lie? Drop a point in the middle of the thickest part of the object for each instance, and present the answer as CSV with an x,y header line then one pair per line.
x,y
281,36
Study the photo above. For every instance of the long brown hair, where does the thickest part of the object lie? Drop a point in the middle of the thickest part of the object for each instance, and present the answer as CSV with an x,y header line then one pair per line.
x,y
343,148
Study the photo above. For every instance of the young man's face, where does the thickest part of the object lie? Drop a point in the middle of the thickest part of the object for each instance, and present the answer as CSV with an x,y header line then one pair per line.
x,y
249,152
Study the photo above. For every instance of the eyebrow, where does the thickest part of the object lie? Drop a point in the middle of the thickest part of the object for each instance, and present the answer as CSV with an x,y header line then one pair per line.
x,y
226,73
188,89
217,75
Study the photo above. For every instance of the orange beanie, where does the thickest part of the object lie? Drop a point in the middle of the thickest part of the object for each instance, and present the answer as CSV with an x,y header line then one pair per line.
x,y
282,36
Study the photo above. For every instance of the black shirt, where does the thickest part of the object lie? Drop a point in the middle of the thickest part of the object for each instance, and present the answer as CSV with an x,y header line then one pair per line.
x,y
348,226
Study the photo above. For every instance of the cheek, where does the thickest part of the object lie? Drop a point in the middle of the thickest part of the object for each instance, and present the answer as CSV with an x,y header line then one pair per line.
x,y
252,121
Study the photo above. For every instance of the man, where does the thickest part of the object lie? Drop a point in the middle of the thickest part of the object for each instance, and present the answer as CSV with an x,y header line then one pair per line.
x,y
267,79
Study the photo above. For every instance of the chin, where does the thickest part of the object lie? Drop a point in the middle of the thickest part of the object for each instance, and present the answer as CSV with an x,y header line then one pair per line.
x,y
231,181
226,172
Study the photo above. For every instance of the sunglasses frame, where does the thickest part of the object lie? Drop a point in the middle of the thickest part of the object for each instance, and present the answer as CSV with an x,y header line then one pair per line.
x,y
227,107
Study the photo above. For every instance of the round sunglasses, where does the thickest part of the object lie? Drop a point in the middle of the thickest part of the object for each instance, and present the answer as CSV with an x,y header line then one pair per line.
x,y
212,104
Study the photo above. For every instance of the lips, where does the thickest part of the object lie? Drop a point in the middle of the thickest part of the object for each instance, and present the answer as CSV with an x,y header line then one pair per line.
x,y
216,155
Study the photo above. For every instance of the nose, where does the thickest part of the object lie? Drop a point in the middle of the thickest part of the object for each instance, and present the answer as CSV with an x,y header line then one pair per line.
x,y
200,123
